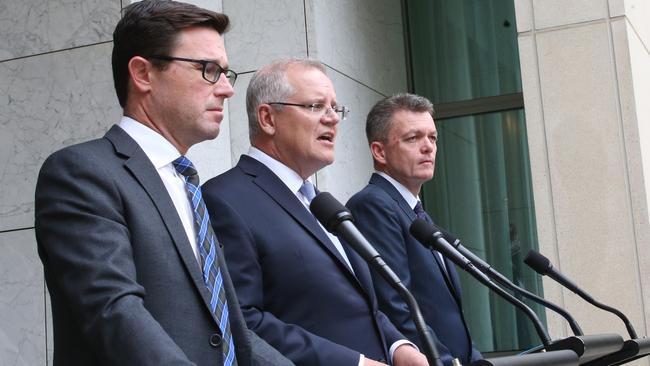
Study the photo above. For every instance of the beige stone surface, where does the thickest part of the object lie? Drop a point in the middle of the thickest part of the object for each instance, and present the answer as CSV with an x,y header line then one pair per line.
x,y
22,310
616,7
524,15
362,39
49,102
541,179
638,12
587,162
636,118
31,27
262,31
553,13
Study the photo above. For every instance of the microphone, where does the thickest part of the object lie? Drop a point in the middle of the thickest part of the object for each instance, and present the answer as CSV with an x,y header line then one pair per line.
x,y
503,280
431,237
543,266
338,220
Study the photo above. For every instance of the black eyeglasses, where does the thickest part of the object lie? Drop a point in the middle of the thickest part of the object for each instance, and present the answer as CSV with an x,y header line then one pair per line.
x,y
319,108
211,70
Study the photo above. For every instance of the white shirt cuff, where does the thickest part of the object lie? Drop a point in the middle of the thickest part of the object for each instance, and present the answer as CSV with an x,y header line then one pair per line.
x,y
401,342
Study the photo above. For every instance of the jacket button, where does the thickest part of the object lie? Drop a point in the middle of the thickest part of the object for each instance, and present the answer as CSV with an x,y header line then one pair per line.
x,y
215,340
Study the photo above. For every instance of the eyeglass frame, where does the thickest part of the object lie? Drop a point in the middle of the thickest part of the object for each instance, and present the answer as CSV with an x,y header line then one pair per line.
x,y
336,109
204,64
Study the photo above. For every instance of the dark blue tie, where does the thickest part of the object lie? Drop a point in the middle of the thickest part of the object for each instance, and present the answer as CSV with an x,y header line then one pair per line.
x,y
421,214
207,243
419,211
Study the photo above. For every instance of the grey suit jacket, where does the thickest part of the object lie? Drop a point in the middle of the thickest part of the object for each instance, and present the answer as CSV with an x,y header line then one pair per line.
x,y
125,286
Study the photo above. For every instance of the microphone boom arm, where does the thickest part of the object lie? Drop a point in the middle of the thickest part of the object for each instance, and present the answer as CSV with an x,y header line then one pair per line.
x,y
504,281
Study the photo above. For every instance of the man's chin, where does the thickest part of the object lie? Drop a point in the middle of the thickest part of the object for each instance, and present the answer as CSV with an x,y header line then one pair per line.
x,y
425,176
323,162
209,134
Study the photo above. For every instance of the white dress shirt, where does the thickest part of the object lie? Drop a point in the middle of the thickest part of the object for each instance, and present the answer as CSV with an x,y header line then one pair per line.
x,y
162,153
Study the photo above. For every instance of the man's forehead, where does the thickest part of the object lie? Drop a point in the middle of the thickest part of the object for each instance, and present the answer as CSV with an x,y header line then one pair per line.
x,y
412,119
203,42
308,76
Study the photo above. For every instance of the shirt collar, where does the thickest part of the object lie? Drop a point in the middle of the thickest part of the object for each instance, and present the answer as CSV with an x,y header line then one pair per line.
x,y
408,196
157,148
287,175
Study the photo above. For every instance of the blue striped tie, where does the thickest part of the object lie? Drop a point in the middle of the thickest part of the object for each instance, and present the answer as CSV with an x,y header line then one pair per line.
x,y
208,248
308,190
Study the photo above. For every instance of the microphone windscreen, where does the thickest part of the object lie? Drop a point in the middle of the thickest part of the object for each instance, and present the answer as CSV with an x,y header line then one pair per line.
x,y
537,262
422,230
449,237
327,209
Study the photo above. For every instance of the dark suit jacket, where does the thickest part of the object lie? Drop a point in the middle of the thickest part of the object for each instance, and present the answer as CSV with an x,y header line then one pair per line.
x,y
384,217
125,286
295,290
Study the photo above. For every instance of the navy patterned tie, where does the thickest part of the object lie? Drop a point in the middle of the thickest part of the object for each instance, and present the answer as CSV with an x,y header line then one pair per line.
x,y
419,211
421,214
207,243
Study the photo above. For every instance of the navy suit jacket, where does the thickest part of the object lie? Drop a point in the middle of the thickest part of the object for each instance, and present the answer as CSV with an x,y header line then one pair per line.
x,y
384,217
294,287
125,286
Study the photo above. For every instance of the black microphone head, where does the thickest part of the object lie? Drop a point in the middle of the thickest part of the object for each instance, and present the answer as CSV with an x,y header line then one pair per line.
x,y
328,210
538,262
449,237
423,231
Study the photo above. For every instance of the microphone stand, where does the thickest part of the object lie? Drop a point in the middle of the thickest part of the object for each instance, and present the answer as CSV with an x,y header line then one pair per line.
x,y
543,266
424,332
337,219
425,232
504,281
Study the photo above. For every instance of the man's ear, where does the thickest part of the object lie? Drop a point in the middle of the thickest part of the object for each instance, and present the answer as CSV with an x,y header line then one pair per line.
x,y
140,72
266,119
378,152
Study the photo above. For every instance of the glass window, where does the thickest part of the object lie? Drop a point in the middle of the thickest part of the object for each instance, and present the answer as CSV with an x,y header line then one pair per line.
x,y
463,49
463,56
481,192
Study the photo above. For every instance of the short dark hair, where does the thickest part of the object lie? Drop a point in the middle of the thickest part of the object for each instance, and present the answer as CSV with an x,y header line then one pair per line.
x,y
379,118
151,27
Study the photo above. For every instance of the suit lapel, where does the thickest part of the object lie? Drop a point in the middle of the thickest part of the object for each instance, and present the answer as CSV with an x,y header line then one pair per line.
x,y
378,180
264,178
137,162
447,273
450,276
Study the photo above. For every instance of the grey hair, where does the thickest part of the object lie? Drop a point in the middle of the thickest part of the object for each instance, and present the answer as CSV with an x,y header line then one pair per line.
x,y
270,84
379,118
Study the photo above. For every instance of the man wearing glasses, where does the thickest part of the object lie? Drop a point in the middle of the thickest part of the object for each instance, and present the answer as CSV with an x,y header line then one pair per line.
x,y
134,276
301,289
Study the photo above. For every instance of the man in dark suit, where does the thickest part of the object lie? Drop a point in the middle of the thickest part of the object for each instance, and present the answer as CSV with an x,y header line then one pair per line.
x,y
402,138
133,277
300,288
